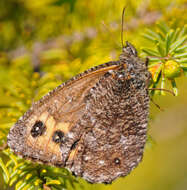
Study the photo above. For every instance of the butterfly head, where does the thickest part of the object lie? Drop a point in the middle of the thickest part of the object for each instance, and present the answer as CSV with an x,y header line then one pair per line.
x,y
135,67
129,50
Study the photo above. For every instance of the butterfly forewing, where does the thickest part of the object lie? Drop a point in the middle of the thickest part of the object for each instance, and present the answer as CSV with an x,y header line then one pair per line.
x,y
33,136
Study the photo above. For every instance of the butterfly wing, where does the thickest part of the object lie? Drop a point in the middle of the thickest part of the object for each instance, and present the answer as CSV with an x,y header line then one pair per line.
x,y
115,126
40,133
94,125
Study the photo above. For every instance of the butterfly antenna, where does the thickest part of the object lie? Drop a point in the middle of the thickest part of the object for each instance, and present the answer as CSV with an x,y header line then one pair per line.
x,y
122,25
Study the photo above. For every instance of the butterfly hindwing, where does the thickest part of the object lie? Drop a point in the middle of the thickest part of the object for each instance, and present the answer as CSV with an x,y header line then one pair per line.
x,y
115,126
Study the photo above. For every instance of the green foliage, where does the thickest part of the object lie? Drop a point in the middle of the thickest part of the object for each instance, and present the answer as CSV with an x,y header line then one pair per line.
x,y
168,57
75,44
28,86
26,175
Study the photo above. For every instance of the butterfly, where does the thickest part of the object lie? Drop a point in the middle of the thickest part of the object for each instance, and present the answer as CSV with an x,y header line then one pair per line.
x,y
94,125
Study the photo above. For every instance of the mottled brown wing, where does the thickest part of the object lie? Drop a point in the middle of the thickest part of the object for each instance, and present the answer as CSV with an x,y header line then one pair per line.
x,y
47,125
94,125
113,128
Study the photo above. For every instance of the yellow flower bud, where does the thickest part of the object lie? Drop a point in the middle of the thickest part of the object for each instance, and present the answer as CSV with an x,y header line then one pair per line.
x,y
172,69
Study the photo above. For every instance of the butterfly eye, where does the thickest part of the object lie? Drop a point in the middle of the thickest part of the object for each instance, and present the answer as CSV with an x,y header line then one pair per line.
x,y
38,129
117,161
58,136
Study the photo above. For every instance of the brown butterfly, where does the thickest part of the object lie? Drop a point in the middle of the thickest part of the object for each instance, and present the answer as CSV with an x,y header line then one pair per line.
x,y
95,124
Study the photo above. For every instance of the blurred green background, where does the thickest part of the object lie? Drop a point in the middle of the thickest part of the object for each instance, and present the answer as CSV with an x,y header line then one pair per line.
x,y
60,38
